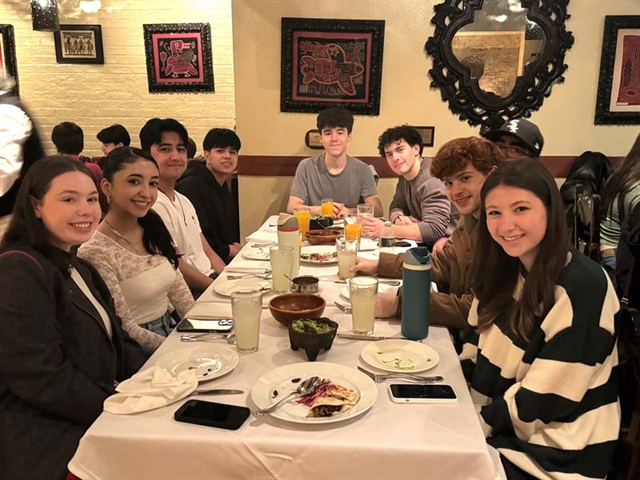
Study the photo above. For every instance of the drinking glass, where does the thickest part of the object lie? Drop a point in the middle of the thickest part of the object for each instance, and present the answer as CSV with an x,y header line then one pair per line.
x,y
353,230
281,258
303,215
364,211
327,207
363,292
246,308
346,247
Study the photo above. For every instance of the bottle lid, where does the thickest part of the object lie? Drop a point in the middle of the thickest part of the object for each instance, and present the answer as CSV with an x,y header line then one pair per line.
x,y
387,223
417,258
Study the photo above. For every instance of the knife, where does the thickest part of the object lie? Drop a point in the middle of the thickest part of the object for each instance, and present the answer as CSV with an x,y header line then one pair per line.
x,y
356,336
217,391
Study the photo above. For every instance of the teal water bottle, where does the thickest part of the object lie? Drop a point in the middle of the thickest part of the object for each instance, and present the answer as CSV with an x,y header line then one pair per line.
x,y
416,293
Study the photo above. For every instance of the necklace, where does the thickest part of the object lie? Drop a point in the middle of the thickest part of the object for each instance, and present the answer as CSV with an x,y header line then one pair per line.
x,y
132,244
184,217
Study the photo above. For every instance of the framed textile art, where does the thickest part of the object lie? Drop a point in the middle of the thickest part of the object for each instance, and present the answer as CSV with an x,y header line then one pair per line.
x,y
331,63
179,57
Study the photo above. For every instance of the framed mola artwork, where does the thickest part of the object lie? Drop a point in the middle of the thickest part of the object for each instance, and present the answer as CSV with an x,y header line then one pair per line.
x,y
331,63
179,57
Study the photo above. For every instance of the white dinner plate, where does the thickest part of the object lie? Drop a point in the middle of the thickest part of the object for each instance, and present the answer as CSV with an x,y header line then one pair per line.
x,y
400,356
319,249
209,361
249,283
261,253
382,288
280,380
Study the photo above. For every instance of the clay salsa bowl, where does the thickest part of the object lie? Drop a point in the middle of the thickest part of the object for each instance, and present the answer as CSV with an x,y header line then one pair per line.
x,y
304,333
293,306
323,237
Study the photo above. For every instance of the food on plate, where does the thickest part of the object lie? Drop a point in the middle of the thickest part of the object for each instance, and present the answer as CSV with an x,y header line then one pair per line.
x,y
400,360
319,257
309,325
328,399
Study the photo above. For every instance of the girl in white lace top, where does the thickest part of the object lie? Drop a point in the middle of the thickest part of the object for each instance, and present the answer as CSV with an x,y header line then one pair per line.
x,y
133,252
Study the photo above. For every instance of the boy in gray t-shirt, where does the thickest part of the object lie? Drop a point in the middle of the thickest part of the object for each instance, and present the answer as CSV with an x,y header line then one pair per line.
x,y
334,174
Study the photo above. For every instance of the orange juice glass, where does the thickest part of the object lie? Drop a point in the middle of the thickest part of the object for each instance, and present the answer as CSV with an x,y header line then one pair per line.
x,y
327,207
353,230
303,215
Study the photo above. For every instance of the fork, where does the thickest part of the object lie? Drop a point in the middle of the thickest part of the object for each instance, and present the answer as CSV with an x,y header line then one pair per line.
x,y
238,276
379,378
206,337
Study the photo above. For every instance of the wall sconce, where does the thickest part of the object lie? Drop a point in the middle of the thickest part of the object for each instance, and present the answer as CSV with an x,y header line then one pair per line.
x,y
44,15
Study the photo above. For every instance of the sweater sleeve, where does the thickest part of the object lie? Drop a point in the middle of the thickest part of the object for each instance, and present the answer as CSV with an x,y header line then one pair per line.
x,y
435,209
180,296
571,374
105,263
33,364
398,203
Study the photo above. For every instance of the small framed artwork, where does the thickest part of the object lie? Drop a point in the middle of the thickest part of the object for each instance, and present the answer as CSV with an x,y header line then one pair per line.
x,y
8,64
79,44
312,139
331,63
427,134
179,57
618,101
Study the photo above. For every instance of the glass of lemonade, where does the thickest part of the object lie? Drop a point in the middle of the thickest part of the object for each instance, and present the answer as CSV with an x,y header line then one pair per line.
x,y
246,308
303,215
281,258
346,248
327,207
363,292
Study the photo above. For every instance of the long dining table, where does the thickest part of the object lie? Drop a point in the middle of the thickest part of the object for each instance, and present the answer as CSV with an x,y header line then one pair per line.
x,y
389,441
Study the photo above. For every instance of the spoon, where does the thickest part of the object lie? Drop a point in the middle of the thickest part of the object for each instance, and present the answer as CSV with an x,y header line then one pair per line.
x,y
306,387
205,337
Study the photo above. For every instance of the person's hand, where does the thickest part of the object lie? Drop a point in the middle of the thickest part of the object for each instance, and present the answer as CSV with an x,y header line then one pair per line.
x,y
403,220
339,210
414,220
234,249
371,227
386,305
439,245
365,267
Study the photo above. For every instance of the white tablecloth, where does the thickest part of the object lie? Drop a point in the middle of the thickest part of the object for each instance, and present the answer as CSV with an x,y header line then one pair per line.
x,y
427,441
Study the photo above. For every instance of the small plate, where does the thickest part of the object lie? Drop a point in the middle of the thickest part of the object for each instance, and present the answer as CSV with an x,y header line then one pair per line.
x,y
279,379
400,356
250,283
382,288
261,253
319,249
209,361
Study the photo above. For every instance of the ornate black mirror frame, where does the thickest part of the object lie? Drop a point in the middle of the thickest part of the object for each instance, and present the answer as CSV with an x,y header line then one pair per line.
x,y
464,96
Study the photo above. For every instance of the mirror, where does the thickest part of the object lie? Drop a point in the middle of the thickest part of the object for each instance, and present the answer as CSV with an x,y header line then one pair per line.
x,y
497,60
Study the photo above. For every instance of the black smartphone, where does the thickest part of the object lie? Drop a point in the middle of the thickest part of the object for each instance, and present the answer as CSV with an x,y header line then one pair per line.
x,y
210,325
422,393
210,414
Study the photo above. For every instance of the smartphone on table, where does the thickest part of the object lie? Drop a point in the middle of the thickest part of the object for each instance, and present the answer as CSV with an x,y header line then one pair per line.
x,y
210,414
205,325
416,393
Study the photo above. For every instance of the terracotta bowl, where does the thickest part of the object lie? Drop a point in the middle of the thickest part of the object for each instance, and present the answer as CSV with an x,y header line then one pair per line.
x,y
323,237
292,306
312,342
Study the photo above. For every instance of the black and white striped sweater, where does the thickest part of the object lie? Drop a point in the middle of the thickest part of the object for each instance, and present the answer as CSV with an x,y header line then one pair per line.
x,y
550,406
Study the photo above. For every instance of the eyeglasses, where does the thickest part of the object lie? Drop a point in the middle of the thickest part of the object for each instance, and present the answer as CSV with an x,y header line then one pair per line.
x,y
517,149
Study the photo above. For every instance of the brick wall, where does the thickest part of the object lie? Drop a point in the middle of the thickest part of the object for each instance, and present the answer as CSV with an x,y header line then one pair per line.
x,y
95,96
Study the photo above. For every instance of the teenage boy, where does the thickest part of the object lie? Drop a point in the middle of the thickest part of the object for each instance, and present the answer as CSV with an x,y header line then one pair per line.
x,y
334,174
420,210
113,137
166,141
462,165
208,187
518,138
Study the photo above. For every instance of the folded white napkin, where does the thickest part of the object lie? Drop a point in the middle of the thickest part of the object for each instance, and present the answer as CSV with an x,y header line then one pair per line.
x,y
270,235
209,310
151,388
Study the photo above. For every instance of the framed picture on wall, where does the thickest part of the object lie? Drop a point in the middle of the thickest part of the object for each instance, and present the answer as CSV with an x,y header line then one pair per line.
x,y
8,64
179,57
618,99
79,44
331,63
427,134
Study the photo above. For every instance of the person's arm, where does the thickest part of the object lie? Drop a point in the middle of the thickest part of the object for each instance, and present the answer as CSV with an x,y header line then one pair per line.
x,y
180,296
377,205
216,262
195,280
435,211
101,258
296,202
15,127
47,379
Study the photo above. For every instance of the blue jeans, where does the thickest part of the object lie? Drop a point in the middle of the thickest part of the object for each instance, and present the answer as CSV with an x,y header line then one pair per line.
x,y
161,326
609,264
